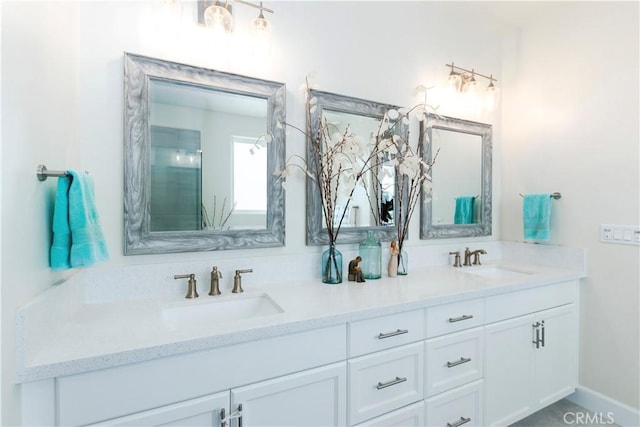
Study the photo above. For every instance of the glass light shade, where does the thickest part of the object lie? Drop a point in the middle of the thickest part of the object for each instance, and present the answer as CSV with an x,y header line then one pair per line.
x,y
218,18
261,36
491,97
454,82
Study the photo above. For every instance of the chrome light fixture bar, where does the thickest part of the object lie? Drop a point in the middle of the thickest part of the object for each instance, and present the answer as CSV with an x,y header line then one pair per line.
x,y
218,15
463,78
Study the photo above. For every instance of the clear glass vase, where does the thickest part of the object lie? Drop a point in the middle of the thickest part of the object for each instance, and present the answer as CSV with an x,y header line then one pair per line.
x,y
403,263
332,266
371,253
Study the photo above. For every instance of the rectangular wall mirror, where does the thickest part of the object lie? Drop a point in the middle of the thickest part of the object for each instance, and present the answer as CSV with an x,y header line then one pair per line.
x,y
200,150
373,204
460,204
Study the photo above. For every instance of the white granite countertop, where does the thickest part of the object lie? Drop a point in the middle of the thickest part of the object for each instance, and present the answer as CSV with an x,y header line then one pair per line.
x,y
62,332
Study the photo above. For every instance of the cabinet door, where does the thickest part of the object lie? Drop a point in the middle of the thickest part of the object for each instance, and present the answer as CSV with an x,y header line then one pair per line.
x,y
204,411
509,370
556,360
316,397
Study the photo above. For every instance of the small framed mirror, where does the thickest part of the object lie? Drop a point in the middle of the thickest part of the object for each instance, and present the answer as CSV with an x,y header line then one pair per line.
x,y
200,148
373,204
460,203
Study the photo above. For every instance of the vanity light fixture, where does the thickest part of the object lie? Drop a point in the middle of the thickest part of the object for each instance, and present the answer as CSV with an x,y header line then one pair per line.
x,y
218,16
464,81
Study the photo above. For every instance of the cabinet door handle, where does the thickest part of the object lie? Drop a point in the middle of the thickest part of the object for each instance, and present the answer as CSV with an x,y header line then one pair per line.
x,y
458,362
458,319
458,423
240,415
382,336
542,327
398,380
223,421
537,331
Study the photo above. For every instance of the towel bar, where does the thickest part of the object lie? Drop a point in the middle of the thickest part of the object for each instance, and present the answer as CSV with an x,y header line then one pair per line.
x,y
555,195
43,173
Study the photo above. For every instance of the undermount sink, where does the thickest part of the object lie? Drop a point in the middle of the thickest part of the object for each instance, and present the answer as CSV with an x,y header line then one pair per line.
x,y
497,272
221,310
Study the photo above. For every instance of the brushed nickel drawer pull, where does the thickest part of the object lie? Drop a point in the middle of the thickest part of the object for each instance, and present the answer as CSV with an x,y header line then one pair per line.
x,y
458,319
398,380
458,423
382,336
458,362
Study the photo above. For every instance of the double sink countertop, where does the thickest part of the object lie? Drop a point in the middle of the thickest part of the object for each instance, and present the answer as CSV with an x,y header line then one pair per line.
x,y
61,333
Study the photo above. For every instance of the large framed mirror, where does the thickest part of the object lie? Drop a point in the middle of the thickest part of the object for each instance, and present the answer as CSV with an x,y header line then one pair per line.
x,y
200,149
460,203
373,204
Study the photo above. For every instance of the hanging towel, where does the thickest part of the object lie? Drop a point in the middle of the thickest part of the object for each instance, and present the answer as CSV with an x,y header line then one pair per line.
x,y
464,210
536,213
77,238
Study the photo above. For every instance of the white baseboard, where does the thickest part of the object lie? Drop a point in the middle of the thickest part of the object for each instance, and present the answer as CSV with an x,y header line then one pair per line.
x,y
623,415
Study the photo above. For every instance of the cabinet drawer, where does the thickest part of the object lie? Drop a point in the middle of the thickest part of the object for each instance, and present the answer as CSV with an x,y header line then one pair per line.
x,y
513,304
453,360
409,416
384,381
453,317
381,333
461,406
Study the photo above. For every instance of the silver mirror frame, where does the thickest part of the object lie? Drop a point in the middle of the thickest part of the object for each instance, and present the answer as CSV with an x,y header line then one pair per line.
x,y
138,71
316,230
427,229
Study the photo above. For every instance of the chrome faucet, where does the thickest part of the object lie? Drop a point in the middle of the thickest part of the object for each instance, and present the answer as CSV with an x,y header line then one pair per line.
x,y
237,280
192,292
215,281
476,256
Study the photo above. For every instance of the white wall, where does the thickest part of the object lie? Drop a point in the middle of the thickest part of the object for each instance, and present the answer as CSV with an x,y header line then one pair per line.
x,y
570,115
570,104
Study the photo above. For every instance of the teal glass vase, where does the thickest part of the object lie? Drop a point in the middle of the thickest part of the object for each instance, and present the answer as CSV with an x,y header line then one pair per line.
x,y
371,253
403,263
332,266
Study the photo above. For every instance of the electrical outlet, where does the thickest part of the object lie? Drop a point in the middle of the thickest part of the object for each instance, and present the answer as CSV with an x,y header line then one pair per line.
x,y
621,234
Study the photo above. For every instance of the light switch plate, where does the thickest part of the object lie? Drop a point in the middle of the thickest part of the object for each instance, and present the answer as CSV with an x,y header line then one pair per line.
x,y
621,234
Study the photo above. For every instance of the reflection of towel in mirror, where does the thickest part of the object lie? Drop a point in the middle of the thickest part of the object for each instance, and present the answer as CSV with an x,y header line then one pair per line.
x,y
536,215
77,235
464,210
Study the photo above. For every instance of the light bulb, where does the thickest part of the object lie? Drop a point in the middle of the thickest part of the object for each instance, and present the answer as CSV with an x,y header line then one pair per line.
x,y
491,97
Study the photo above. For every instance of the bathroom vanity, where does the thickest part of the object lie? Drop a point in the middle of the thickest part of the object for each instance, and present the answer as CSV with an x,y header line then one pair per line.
x,y
485,345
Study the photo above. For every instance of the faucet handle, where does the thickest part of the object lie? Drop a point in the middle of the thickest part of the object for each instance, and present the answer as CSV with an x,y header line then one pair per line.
x,y
192,292
237,280
456,261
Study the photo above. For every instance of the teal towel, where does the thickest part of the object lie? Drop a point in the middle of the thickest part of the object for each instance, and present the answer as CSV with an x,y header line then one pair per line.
x,y
464,210
77,235
536,215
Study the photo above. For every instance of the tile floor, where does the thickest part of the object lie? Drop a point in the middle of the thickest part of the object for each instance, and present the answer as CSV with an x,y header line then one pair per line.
x,y
562,414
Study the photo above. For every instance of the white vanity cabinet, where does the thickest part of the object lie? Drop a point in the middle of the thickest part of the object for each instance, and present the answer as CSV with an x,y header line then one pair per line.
x,y
314,397
531,359
296,379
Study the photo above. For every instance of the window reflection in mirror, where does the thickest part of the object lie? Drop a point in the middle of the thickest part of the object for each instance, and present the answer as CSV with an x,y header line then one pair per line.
x,y
208,164
373,201
457,178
